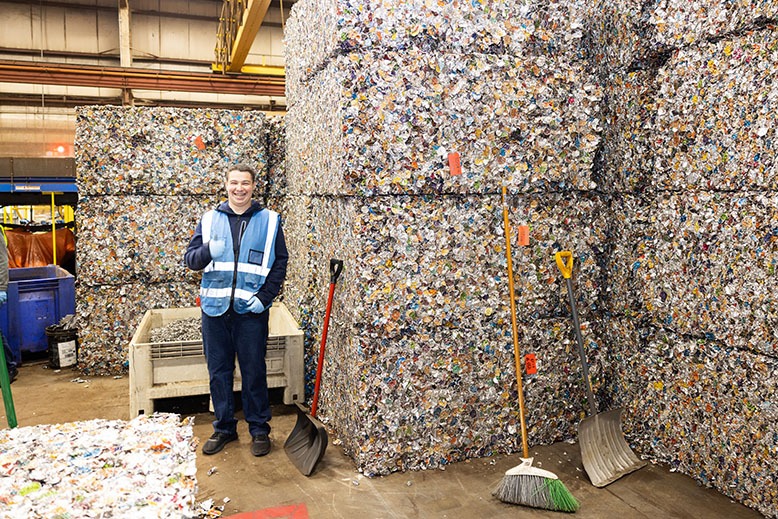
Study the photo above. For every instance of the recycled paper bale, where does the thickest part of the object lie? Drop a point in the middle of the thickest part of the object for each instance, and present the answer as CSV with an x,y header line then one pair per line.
x,y
386,124
680,24
439,252
423,296
705,266
445,396
632,35
163,151
100,468
715,122
556,396
318,31
707,410
134,238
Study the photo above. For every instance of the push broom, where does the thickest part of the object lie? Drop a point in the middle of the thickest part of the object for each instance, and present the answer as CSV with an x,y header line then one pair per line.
x,y
524,484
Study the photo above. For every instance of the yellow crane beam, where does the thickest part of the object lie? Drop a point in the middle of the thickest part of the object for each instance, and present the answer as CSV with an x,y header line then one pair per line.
x,y
238,26
258,70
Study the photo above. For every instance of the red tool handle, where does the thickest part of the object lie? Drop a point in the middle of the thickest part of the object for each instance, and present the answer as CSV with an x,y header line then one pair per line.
x,y
336,267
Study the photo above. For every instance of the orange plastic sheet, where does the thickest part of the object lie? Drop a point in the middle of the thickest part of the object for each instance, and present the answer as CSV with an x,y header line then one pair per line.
x,y
34,249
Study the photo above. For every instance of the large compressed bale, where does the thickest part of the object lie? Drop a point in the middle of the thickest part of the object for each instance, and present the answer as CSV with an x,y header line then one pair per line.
x,y
423,298
320,30
421,262
386,124
556,397
679,23
427,400
626,35
108,316
130,239
715,116
704,408
704,266
164,151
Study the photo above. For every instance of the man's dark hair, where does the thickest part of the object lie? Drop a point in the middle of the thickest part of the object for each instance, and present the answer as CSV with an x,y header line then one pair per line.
x,y
241,166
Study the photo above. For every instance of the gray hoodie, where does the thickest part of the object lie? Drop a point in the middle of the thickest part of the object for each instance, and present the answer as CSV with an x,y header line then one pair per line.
x,y
3,263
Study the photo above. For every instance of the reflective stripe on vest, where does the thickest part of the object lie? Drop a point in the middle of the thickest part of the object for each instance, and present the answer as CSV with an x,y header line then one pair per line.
x,y
255,259
225,292
229,266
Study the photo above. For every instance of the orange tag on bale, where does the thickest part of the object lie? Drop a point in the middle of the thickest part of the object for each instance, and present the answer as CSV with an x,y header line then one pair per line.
x,y
523,235
530,364
199,143
454,164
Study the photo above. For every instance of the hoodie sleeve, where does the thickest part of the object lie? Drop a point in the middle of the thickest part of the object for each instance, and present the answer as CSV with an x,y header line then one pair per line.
x,y
3,264
277,274
197,255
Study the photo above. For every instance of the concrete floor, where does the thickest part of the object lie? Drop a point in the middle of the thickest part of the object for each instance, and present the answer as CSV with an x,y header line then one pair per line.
x,y
337,490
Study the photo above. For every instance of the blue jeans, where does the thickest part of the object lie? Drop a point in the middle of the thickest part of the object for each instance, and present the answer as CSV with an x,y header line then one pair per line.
x,y
223,338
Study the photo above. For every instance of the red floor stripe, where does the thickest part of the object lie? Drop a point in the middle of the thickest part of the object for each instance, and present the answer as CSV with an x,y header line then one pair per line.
x,y
279,512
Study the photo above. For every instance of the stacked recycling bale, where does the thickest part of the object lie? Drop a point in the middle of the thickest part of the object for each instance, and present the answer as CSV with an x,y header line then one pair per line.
x,y
421,360
275,147
145,175
690,121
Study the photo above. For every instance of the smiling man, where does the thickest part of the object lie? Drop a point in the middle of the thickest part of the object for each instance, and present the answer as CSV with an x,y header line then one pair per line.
x,y
240,248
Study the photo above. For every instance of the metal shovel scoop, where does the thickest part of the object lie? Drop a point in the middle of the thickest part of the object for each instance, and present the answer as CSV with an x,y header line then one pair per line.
x,y
604,451
307,442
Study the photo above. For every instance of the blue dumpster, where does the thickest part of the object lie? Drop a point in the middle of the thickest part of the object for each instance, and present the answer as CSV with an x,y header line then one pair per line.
x,y
37,297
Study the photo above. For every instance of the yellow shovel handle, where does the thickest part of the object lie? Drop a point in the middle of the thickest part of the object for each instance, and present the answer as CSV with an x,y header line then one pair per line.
x,y
564,260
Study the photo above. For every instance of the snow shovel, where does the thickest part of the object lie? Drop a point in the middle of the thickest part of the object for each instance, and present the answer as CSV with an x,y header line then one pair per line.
x,y
604,451
307,442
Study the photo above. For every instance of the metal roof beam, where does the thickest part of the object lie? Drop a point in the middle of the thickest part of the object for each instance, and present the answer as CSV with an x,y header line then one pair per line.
x,y
118,77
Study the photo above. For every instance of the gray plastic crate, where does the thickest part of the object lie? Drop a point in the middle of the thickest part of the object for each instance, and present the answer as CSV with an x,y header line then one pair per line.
x,y
176,369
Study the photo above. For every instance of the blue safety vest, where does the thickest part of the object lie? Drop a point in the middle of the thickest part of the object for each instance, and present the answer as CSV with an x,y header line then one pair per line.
x,y
224,280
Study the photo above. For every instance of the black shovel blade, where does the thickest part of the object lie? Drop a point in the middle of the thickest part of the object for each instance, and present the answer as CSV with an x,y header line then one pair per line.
x,y
306,443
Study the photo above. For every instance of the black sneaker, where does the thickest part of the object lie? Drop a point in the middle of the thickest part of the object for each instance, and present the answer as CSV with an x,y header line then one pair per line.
x,y
260,445
217,441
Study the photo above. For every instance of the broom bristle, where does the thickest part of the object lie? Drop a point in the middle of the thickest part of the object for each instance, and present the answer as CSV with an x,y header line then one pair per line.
x,y
537,492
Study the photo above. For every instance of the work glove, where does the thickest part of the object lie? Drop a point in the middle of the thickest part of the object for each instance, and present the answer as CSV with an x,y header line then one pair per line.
x,y
216,248
254,305
3,297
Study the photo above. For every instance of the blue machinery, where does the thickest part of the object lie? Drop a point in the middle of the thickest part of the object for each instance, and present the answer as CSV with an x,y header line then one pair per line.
x,y
38,181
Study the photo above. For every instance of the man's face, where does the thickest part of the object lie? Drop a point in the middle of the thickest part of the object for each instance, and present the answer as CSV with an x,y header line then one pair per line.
x,y
239,189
